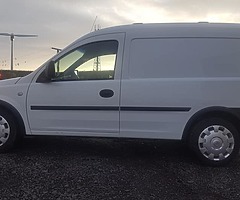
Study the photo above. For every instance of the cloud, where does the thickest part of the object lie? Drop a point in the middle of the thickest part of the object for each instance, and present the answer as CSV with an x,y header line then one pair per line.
x,y
58,22
188,10
55,26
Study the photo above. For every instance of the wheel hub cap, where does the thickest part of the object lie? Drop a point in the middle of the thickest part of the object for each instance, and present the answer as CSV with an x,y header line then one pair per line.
x,y
216,142
4,131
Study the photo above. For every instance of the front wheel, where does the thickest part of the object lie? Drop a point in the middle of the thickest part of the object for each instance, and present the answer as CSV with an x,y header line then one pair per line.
x,y
215,141
7,131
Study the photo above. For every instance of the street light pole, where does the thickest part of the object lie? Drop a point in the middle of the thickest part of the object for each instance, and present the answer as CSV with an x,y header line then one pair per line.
x,y
11,53
57,49
12,36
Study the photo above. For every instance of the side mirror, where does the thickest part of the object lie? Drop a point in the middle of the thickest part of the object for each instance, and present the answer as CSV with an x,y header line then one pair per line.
x,y
48,74
50,71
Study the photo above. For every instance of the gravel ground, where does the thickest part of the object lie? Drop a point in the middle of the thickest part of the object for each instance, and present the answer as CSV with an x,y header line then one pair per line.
x,y
73,168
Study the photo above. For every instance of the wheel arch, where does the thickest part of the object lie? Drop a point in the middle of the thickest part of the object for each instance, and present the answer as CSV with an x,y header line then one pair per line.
x,y
11,109
230,114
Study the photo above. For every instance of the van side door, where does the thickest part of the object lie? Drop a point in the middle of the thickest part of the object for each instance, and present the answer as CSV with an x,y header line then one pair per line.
x,y
83,97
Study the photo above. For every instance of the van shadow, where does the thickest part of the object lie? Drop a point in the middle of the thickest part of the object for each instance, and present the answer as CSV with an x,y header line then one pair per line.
x,y
141,149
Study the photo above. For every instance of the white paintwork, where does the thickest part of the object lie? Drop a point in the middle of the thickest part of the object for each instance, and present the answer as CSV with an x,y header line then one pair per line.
x,y
158,65
177,72
77,93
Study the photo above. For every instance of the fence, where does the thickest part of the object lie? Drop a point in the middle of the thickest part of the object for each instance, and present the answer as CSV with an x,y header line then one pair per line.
x,y
6,74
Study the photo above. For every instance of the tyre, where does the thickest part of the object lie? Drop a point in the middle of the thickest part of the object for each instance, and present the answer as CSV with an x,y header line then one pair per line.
x,y
215,141
7,131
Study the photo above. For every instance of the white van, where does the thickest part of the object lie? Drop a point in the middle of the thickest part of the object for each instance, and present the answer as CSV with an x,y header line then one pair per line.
x,y
158,81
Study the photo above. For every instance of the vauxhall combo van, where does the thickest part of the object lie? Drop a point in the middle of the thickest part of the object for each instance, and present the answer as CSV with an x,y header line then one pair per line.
x,y
154,81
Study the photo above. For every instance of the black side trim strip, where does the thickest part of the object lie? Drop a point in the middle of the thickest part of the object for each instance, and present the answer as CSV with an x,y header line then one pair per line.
x,y
74,108
112,108
167,109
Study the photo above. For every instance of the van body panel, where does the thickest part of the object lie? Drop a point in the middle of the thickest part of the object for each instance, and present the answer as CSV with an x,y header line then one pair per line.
x,y
176,72
164,74
76,107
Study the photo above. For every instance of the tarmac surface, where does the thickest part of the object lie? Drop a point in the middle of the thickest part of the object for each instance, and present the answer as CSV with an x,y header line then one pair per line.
x,y
83,168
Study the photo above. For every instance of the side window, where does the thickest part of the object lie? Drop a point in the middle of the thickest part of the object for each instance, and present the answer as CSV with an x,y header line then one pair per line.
x,y
93,61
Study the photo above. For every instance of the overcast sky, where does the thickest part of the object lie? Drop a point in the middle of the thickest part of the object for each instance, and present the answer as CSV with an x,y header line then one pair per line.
x,y
59,22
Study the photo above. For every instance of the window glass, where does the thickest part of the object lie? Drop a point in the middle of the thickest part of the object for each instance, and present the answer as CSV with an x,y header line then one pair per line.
x,y
94,61
62,64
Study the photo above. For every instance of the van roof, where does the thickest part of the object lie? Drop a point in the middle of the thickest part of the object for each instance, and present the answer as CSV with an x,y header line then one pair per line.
x,y
201,29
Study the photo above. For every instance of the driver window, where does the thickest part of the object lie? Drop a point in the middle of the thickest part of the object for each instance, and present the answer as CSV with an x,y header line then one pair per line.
x,y
94,61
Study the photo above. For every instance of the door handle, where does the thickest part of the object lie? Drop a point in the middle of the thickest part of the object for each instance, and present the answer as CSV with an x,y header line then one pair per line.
x,y
106,93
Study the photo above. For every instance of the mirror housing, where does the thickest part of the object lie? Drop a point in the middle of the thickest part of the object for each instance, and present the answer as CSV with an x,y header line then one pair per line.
x,y
48,74
50,71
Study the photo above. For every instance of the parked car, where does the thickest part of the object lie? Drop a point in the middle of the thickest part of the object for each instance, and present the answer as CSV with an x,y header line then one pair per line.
x,y
155,81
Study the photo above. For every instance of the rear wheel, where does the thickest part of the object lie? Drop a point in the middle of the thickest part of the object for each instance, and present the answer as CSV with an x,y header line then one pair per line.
x,y
7,131
215,141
